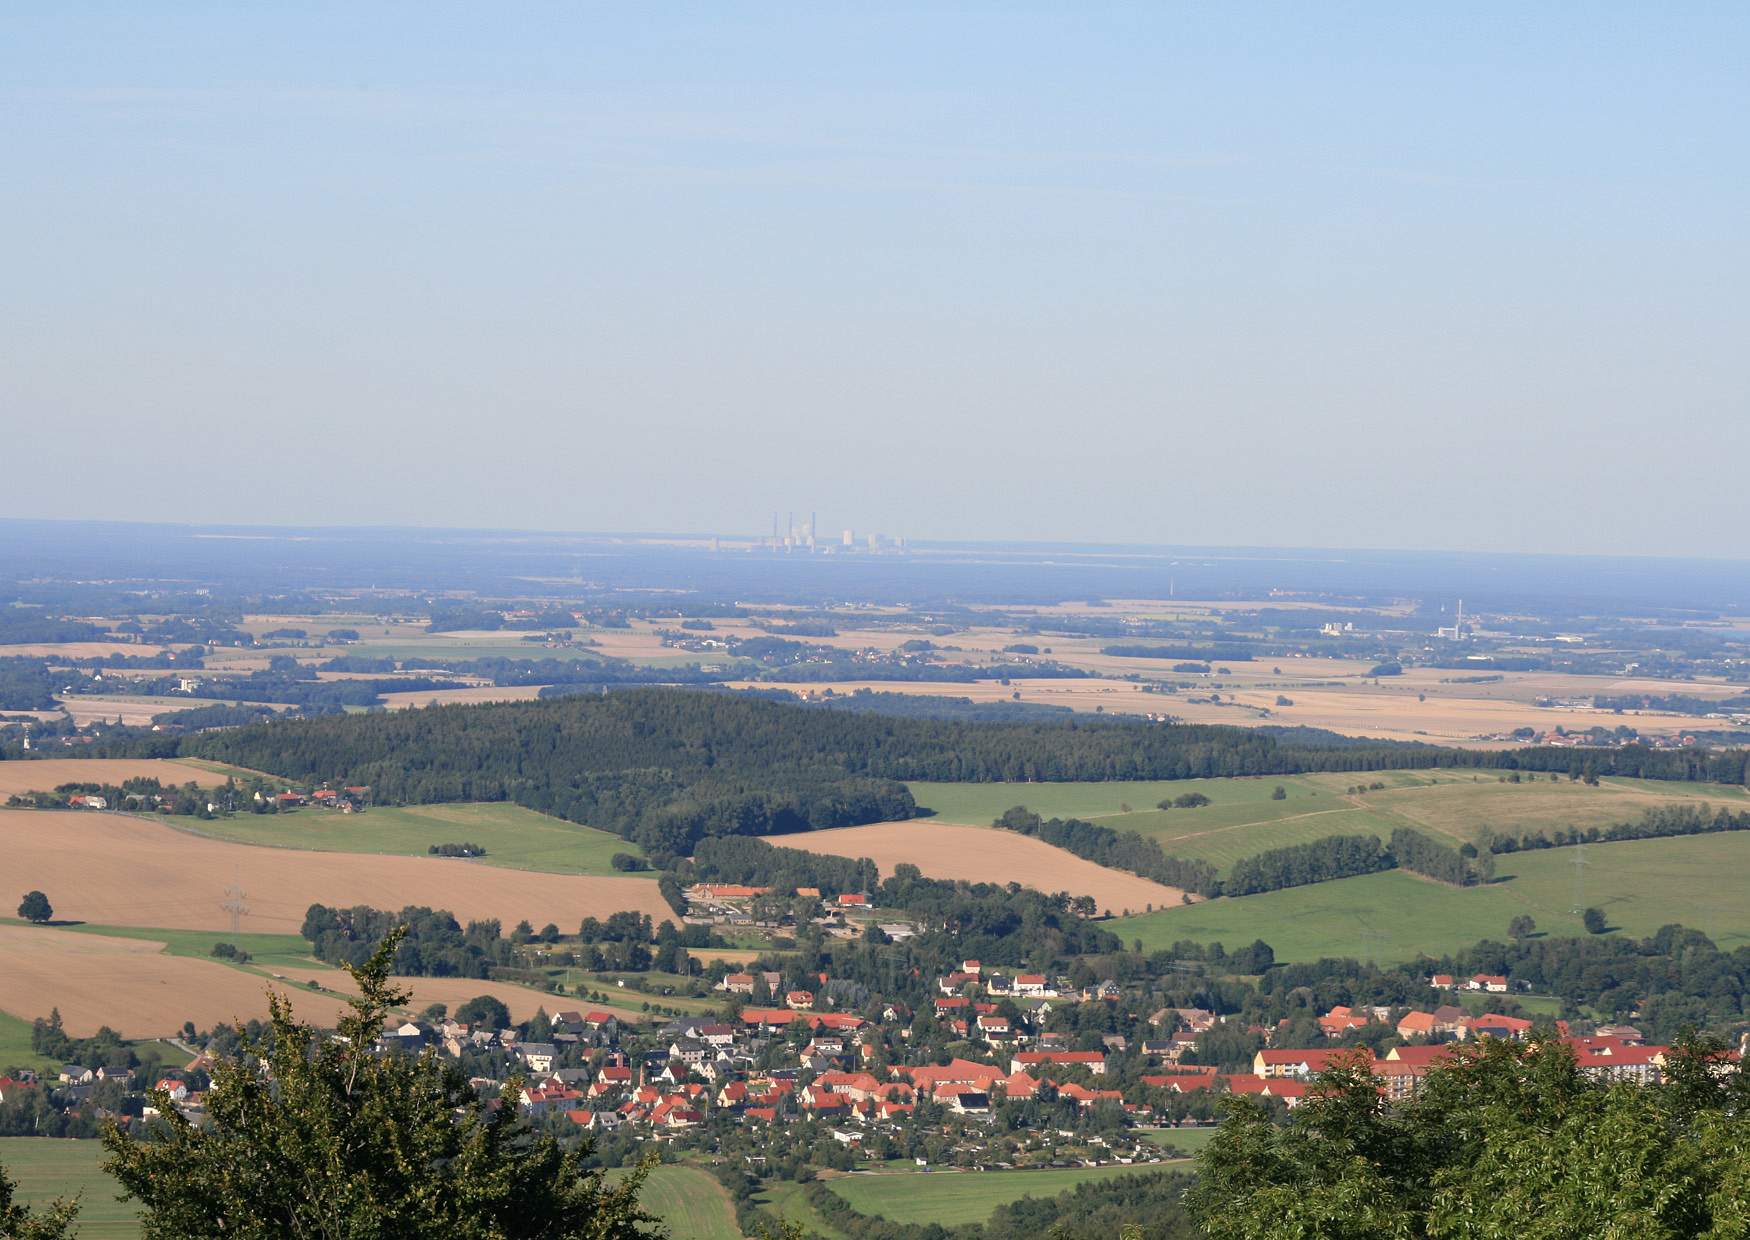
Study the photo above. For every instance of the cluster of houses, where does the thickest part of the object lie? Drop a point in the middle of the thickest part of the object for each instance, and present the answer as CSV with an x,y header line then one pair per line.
x,y
788,1055
75,1084
709,1068
1611,1053
347,800
736,904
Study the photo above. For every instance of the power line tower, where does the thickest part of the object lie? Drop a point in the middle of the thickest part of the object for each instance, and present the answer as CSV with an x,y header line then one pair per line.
x,y
1580,864
235,904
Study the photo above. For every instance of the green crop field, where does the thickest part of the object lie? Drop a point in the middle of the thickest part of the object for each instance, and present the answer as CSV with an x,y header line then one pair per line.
x,y
955,1197
1390,917
46,1169
1185,1141
1244,818
690,1201
789,1201
629,996
514,837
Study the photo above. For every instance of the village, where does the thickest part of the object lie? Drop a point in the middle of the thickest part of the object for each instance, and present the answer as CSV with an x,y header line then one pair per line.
x,y
999,1068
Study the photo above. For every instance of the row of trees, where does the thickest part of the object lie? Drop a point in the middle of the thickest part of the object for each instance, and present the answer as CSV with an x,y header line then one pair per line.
x,y
1294,865
1335,856
1657,823
998,923
1121,850
1414,851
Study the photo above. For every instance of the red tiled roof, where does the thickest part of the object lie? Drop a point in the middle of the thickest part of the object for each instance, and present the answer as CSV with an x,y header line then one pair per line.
x,y
1060,1057
1315,1060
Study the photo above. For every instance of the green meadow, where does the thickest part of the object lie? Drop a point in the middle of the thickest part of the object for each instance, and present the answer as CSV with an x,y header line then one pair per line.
x,y
690,1201
45,1169
1186,1141
15,1051
951,1198
1245,817
514,837
264,949
1395,916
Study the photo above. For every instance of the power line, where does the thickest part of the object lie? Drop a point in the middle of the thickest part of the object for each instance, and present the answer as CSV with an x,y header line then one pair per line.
x,y
235,905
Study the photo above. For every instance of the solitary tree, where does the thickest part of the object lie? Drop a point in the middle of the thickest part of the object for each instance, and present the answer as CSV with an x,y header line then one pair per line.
x,y
1593,920
1522,926
19,1223
486,1011
35,907
324,1136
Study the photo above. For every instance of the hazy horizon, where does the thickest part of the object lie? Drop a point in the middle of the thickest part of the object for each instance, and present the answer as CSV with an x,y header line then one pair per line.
x,y
1123,275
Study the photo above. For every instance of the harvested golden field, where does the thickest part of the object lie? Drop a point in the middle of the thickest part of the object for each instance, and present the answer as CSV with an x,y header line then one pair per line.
x,y
133,711
127,984
118,870
462,697
733,955
1415,706
1396,713
986,855
637,642
523,1001
1077,693
137,989
46,774
369,628
78,650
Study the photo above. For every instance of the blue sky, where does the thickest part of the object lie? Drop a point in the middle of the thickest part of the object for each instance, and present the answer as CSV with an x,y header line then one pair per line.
x,y
1365,275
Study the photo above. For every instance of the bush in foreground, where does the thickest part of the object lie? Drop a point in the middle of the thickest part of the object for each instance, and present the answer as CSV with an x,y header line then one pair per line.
x,y
319,1135
20,1223
1513,1141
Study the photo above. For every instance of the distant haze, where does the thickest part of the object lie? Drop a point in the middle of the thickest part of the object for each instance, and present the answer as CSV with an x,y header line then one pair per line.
x,y
1356,276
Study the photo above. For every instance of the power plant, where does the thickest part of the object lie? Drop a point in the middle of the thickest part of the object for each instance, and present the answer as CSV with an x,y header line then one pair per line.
x,y
788,538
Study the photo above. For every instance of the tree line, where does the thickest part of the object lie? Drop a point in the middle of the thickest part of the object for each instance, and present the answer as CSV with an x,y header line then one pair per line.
x,y
1120,850
998,923
434,943
1414,851
1660,822
1318,861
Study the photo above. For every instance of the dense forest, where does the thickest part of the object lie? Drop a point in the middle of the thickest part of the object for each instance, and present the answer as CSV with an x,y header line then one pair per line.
x,y
28,684
669,767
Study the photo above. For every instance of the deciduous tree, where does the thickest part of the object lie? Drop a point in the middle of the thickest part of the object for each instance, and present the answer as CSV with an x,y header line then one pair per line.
x,y
318,1135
